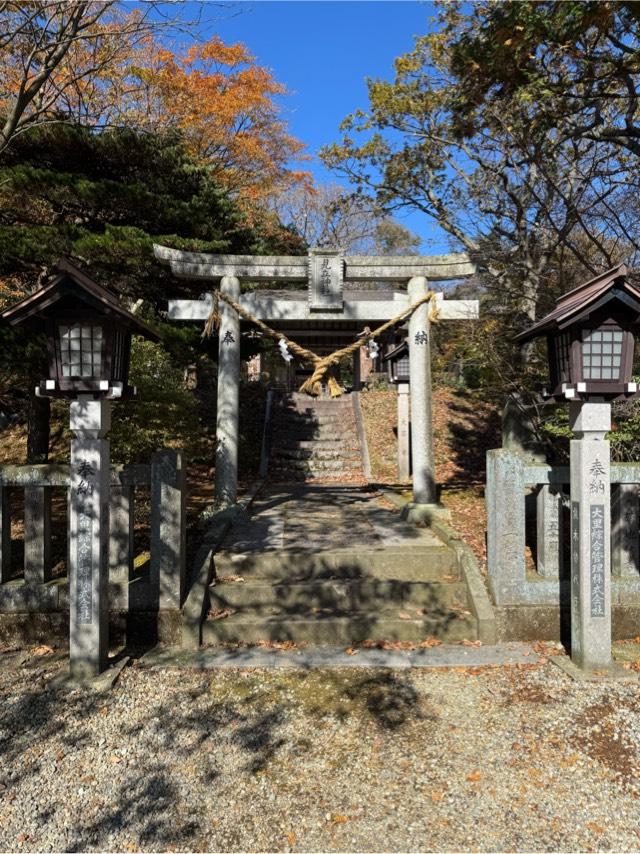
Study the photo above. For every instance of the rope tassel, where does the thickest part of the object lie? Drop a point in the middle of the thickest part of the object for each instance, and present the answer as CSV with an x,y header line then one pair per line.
x,y
323,366
213,321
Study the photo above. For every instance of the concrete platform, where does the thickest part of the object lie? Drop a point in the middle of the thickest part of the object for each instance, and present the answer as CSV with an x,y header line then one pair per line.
x,y
308,517
439,657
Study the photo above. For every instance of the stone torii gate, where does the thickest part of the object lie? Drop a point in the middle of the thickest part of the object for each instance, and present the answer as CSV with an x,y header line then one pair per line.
x,y
325,304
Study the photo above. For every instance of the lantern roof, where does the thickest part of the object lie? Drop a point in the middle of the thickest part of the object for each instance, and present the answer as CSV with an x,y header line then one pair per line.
x,y
580,303
70,285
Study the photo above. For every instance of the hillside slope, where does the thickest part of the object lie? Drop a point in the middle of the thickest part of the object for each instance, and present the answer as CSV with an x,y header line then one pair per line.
x,y
465,428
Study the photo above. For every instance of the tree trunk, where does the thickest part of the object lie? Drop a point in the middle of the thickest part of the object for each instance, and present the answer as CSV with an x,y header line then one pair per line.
x,y
38,426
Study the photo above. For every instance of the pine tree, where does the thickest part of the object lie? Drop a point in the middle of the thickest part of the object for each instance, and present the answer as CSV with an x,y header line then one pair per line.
x,y
103,199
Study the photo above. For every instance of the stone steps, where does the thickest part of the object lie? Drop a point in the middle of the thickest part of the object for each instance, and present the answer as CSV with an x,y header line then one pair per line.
x,y
313,465
336,628
326,421
346,595
418,564
314,439
334,567
285,438
328,444
321,453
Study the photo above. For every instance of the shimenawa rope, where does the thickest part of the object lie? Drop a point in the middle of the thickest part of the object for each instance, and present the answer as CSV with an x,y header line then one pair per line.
x,y
322,365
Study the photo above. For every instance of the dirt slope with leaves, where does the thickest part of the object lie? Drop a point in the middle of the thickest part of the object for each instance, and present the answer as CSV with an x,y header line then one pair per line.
x,y
464,429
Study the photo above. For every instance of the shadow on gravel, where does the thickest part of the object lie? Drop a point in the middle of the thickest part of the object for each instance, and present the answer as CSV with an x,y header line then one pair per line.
x,y
133,776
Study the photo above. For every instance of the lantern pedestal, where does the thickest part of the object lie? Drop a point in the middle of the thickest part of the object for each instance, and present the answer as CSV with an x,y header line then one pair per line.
x,y
590,535
90,421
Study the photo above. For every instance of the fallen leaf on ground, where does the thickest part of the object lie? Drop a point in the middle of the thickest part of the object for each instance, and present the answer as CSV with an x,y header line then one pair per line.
x,y
339,819
291,838
595,828
476,643
351,651
42,650
474,777
404,616
283,645
429,642
221,613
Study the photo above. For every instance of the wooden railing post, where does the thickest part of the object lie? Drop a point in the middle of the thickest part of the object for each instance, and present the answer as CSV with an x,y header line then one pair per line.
x,y
37,534
168,527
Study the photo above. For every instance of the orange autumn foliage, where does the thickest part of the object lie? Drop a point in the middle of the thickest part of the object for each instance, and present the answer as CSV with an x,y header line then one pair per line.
x,y
225,106
118,68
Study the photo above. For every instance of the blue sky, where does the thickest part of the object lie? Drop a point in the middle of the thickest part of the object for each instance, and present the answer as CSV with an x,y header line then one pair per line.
x,y
323,52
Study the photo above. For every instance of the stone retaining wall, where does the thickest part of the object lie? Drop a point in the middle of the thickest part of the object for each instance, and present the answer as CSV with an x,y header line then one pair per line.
x,y
523,496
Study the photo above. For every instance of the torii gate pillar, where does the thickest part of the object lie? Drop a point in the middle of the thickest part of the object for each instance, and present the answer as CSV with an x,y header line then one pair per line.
x,y
422,459
226,485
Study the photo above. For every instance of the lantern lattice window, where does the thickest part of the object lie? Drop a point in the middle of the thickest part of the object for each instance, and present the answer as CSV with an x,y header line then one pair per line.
x,y
601,353
80,350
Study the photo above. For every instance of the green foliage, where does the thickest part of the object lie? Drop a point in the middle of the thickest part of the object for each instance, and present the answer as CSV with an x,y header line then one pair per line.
x,y
104,199
571,63
164,414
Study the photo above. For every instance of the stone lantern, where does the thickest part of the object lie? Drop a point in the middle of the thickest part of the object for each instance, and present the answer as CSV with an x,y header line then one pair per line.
x,y
591,341
89,342
397,361
88,335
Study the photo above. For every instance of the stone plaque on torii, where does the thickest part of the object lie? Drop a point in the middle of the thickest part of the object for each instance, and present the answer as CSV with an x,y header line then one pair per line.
x,y
325,271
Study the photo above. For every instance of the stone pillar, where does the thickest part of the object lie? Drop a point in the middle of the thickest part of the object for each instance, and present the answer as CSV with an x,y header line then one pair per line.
x,y
505,500
121,520
625,547
590,534
549,531
404,441
423,469
90,421
5,535
226,485
37,534
168,528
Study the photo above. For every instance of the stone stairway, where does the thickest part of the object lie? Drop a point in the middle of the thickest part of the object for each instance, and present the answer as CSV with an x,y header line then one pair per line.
x,y
314,439
332,566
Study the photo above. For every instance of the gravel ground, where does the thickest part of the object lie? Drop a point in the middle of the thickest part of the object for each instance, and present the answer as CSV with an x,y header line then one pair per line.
x,y
513,758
